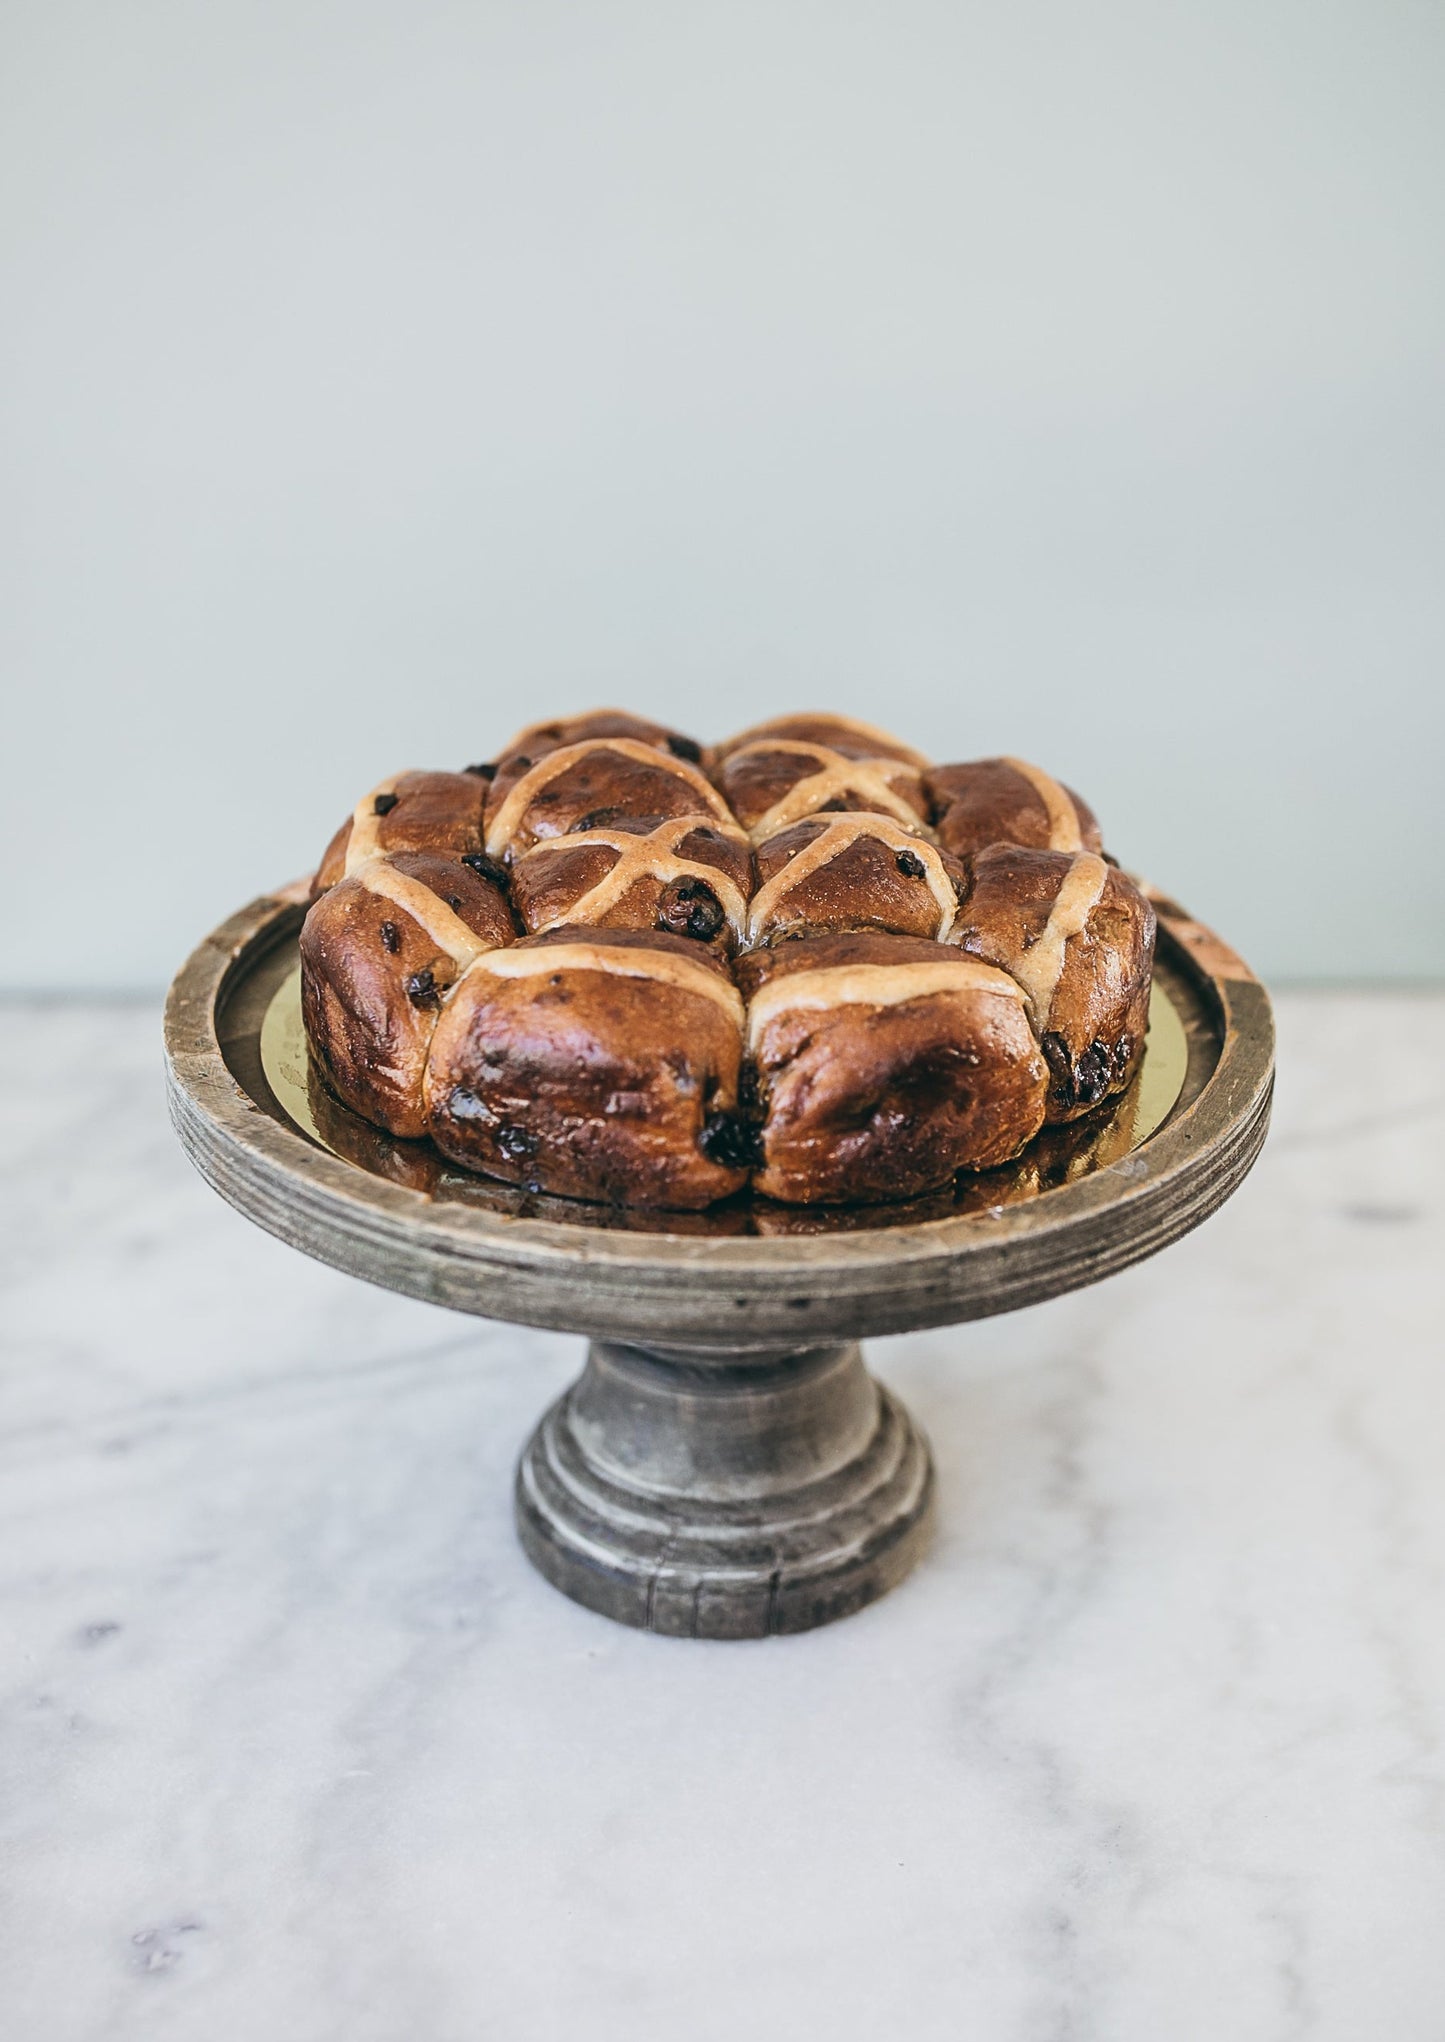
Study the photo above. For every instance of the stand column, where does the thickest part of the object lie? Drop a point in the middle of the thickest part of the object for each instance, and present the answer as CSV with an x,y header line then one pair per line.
x,y
717,1496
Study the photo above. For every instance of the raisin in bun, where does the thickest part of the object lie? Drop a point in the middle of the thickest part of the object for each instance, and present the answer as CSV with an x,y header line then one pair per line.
x,y
1078,936
882,1065
593,1063
1008,801
853,871
379,951
690,876
437,812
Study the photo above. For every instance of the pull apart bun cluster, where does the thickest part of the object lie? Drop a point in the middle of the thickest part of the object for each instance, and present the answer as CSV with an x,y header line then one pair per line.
x,y
614,966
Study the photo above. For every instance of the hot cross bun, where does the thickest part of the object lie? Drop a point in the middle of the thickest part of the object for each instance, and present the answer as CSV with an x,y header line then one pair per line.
x,y
690,876
777,773
1008,801
882,1065
613,966
1079,938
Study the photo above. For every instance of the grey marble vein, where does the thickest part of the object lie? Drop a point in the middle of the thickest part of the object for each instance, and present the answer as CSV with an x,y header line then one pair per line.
x,y
294,1746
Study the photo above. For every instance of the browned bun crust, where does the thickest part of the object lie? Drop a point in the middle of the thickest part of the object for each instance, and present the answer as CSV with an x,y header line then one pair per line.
x,y
440,812
867,1099
1092,1020
771,782
843,734
989,801
630,876
333,861
865,872
373,978
589,1082
413,1164
596,783
538,739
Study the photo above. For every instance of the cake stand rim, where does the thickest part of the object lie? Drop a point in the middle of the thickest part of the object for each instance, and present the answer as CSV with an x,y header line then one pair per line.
x,y
607,1281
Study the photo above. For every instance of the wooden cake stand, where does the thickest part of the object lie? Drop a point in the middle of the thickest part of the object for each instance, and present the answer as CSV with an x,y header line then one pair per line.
x,y
725,1466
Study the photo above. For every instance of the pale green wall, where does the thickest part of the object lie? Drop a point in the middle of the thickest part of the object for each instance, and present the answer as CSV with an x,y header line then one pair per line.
x,y
1060,379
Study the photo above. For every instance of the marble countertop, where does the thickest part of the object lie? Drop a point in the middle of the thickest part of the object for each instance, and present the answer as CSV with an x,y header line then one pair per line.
x,y
296,1746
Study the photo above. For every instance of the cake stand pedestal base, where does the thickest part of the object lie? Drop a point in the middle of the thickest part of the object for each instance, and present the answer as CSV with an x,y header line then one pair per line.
x,y
717,1471
707,1495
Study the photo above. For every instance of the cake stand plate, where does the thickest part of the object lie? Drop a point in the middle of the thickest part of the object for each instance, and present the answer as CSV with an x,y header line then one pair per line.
x,y
725,1466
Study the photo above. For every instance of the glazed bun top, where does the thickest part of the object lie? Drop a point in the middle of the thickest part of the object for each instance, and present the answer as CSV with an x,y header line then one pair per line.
x,y
591,784
537,739
1008,801
772,781
845,734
